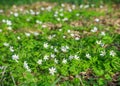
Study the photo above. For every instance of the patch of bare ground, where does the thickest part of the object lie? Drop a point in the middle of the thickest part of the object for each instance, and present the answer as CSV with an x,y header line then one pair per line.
x,y
115,80
51,26
87,75
35,6
78,23
30,30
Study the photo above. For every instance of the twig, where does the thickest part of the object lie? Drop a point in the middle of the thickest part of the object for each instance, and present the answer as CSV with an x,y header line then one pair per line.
x,y
3,73
81,81
13,79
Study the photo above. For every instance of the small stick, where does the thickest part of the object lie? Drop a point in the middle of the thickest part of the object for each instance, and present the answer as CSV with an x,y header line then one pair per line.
x,y
3,73
13,79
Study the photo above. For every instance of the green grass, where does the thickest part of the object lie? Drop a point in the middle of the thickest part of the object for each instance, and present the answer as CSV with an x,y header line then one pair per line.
x,y
24,70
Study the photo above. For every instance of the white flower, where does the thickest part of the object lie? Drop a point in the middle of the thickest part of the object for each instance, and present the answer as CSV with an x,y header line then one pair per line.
x,y
26,66
52,70
71,57
62,5
101,6
8,22
9,28
46,57
55,50
1,11
11,49
51,47
37,13
103,53
6,44
55,60
3,20
103,33
94,29
44,26
16,14
69,31
73,6
39,61
0,30
60,30
64,48
97,20
64,61
38,22
61,9
55,15
99,42
52,55
81,6
112,53
1,67
42,8
86,6
77,38
58,19
35,33
72,34
50,37
64,37
32,12
76,57
27,34
77,14
15,57
49,8
65,19
45,45
27,19
18,37
88,56
69,9
61,14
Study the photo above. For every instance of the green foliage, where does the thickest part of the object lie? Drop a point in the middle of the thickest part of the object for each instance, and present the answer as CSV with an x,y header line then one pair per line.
x,y
36,51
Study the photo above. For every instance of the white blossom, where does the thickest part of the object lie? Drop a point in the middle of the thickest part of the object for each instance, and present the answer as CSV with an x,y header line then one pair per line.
x,y
27,34
88,56
16,14
46,57
18,37
6,44
55,60
97,20
39,61
11,49
64,61
103,33
112,53
45,45
26,66
103,53
77,38
76,57
52,55
99,42
35,33
71,57
0,30
52,70
55,50
9,28
15,57
64,48
94,29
